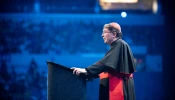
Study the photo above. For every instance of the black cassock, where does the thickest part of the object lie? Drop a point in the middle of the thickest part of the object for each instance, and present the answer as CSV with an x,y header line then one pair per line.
x,y
115,71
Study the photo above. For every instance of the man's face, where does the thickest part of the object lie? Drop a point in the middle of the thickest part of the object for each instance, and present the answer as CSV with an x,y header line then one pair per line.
x,y
107,36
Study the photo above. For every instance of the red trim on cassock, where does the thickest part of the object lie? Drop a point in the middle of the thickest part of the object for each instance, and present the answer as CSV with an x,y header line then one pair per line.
x,y
104,75
115,84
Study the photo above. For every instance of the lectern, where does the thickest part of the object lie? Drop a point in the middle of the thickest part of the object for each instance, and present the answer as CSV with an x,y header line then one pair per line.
x,y
63,84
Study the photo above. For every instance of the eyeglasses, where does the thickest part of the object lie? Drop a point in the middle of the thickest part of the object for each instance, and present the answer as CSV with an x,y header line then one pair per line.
x,y
105,32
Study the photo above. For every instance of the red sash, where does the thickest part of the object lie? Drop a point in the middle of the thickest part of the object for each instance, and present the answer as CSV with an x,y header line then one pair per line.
x,y
115,84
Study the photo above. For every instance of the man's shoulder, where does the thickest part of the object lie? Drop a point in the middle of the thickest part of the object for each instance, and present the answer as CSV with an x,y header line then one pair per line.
x,y
122,42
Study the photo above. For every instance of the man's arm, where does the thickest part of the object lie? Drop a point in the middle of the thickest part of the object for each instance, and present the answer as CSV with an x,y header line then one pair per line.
x,y
95,69
91,71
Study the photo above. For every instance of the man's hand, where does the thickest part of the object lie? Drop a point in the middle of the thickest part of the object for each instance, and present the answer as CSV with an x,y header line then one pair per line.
x,y
77,71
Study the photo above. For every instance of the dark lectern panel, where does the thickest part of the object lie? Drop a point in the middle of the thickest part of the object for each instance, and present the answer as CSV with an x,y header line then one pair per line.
x,y
63,85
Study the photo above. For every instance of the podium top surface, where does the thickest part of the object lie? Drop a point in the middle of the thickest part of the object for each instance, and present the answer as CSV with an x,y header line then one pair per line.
x,y
59,65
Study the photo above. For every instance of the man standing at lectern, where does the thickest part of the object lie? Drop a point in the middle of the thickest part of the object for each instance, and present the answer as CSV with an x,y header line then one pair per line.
x,y
115,69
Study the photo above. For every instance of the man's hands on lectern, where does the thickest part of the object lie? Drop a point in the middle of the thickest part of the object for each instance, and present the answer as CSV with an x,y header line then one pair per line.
x,y
78,71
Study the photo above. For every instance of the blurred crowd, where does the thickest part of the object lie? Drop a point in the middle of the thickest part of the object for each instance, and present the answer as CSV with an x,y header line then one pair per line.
x,y
29,85
27,36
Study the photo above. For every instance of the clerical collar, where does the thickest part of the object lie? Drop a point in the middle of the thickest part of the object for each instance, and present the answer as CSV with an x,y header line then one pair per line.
x,y
114,42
